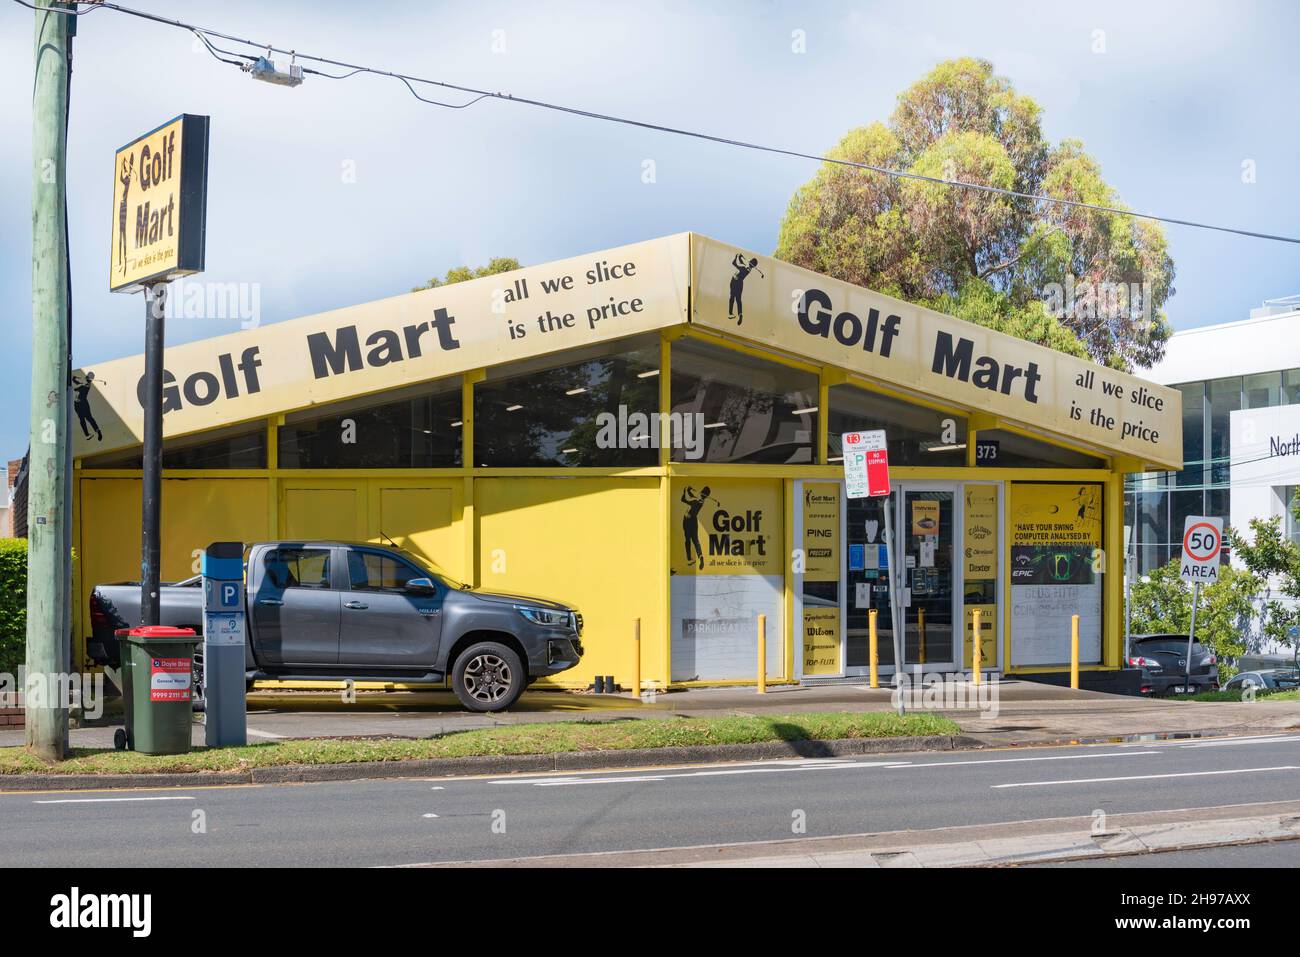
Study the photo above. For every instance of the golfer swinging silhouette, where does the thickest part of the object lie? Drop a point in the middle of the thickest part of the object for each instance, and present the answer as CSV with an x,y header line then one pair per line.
x,y
742,268
691,523
128,165
81,405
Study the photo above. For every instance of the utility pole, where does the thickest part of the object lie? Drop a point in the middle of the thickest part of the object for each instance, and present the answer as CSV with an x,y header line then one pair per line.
x,y
48,559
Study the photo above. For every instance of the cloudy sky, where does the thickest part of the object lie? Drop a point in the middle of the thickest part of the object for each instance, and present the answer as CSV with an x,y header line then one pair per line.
x,y
1182,95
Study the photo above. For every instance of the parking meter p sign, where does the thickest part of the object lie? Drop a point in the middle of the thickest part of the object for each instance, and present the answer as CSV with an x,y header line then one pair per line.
x,y
866,464
1202,542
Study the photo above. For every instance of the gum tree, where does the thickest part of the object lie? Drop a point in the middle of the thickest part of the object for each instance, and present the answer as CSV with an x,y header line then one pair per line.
x,y
1084,282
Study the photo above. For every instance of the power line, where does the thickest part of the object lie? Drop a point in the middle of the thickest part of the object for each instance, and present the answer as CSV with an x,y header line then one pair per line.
x,y
408,80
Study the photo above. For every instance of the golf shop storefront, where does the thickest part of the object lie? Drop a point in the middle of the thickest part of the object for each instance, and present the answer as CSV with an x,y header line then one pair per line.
x,y
652,433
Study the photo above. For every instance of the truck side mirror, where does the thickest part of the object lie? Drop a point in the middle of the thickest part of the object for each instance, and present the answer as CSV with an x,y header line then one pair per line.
x,y
420,586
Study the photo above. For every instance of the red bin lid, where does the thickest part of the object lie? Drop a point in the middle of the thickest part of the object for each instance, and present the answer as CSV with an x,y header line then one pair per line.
x,y
161,631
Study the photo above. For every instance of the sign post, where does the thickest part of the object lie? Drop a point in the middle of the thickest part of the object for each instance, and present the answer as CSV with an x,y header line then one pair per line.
x,y
224,628
1202,542
866,475
160,185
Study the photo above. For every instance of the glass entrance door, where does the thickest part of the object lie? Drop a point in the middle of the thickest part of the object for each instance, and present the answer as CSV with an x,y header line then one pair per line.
x,y
926,527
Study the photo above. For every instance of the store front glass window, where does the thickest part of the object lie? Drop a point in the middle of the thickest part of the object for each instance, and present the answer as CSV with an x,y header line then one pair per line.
x,y
1262,390
1194,471
916,435
750,410
1291,387
1021,452
1225,398
590,407
1289,520
421,429
243,447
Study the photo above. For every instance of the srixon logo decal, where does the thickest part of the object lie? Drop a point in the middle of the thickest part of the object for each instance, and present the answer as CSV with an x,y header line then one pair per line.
x,y
75,910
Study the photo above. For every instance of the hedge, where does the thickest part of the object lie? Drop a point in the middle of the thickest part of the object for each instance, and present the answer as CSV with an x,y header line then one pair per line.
x,y
13,604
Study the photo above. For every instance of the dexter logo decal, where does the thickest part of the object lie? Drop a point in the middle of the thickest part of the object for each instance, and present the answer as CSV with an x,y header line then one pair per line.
x,y
75,910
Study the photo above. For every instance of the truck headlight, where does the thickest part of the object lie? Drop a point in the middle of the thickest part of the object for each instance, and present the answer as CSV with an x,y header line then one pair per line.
x,y
545,616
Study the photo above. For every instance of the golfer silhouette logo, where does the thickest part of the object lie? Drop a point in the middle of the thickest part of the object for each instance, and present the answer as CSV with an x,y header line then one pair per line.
x,y
81,405
691,523
735,309
128,166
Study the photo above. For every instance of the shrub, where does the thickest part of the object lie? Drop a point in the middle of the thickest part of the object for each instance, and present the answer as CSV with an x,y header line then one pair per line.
x,y
13,603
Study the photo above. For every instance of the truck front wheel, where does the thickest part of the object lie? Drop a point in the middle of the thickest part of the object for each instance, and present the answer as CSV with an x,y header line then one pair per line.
x,y
488,676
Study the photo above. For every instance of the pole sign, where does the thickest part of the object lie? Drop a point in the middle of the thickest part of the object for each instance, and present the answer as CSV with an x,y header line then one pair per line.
x,y
1202,542
866,464
160,199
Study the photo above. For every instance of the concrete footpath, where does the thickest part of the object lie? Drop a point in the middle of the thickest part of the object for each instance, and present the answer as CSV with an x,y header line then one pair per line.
x,y
1017,713
1015,843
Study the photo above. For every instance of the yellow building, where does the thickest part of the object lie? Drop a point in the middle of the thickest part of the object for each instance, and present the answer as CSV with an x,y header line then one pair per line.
x,y
653,433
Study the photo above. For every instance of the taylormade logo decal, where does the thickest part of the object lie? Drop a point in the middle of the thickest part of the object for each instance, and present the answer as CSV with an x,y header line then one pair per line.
x,y
76,910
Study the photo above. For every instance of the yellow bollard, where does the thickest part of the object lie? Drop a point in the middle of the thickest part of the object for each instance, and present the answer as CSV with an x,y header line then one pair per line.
x,y
636,657
1074,652
975,648
762,654
875,648
920,630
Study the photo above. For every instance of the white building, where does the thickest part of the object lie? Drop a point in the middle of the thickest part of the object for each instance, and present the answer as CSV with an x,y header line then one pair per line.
x,y
1241,430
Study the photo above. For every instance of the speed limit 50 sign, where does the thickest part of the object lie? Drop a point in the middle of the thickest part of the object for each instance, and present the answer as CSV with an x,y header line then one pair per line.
x,y
1202,542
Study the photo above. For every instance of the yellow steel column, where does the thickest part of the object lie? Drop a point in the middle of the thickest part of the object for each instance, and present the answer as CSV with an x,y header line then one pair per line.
x,y
975,647
665,509
875,648
1074,652
469,523
788,591
273,476
762,654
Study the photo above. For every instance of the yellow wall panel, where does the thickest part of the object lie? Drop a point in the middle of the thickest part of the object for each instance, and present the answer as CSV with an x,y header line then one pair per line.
x,y
593,543
195,513
322,513
422,519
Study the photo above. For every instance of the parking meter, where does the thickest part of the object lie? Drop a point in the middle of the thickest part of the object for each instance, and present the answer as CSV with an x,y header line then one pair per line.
x,y
224,636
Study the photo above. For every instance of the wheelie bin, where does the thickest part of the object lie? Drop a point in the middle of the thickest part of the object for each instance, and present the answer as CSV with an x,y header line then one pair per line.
x,y
158,688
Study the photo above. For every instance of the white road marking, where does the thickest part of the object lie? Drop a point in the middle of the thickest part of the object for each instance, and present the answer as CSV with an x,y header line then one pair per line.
x,y
1048,757
437,787
1148,777
428,815
1233,742
113,800
816,764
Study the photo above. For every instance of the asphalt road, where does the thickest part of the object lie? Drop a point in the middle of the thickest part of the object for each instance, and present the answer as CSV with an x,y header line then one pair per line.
x,y
393,822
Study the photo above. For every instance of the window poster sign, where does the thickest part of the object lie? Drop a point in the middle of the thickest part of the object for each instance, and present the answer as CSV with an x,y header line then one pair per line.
x,y
1055,571
727,569
925,517
821,575
821,531
821,639
980,554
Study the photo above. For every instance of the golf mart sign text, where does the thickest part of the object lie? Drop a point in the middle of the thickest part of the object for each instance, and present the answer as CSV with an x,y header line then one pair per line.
x,y
895,342
396,342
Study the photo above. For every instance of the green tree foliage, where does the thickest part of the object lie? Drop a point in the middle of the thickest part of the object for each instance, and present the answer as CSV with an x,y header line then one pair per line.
x,y
13,603
464,273
1162,602
986,257
1275,560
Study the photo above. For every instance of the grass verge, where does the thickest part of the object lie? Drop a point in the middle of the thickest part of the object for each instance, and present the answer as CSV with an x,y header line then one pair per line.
x,y
1237,696
548,738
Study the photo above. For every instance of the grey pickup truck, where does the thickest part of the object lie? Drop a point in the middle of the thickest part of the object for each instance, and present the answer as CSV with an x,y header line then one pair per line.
x,y
335,610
